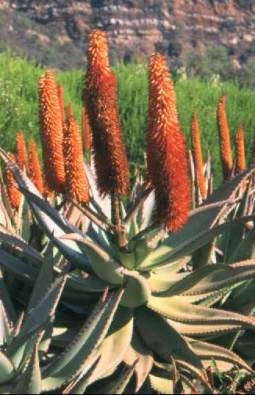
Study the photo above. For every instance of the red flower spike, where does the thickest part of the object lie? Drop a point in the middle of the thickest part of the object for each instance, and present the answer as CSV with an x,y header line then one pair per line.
x,y
21,151
77,187
35,172
51,133
61,102
240,149
12,190
224,138
166,150
101,105
197,152
86,133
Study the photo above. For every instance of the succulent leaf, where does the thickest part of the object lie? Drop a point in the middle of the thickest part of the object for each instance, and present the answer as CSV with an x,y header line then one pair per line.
x,y
162,338
161,385
17,266
40,314
103,265
190,245
115,345
205,330
30,381
79,385
204,217
213,278
137,290
208,351
120,383
176,309
21,245
137,351
82,352
7,310
44,279
7,370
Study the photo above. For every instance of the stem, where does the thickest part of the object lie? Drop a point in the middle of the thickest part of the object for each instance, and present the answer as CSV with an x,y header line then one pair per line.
x,y
143,232
100,211
91,215
137,204
116,219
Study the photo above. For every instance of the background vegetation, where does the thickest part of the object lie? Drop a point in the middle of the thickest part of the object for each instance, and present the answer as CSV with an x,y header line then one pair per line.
x,y
19,104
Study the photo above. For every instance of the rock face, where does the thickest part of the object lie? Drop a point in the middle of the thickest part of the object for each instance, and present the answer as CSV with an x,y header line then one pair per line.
x,y
136,28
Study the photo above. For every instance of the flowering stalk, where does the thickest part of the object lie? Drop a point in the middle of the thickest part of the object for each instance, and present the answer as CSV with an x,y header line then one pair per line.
x,y
166,149
77,186
224,137
21,151
34,169
51,133
101,104
12,190
240,149
86,134
61,102
198,158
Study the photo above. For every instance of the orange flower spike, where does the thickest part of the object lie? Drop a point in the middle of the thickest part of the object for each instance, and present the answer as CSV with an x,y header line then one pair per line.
x,y
12,190
240,149
77,186
61,102
101,104
21,151
86,133
167,159
51,133
224,137
197,152
35,172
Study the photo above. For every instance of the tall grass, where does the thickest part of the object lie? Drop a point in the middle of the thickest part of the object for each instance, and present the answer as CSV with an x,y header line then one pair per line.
x,y
19,105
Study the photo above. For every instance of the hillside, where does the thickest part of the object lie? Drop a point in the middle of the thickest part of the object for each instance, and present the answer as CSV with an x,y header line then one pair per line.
x,y
54,32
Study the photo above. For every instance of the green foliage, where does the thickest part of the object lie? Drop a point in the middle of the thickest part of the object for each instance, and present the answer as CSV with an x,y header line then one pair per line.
x,y
205,64
19,105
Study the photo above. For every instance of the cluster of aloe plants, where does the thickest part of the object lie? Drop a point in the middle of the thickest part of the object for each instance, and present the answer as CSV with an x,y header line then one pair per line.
x,y
142,294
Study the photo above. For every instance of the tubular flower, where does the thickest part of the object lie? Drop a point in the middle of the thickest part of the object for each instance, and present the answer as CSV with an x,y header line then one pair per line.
x,y
197,152
51,133
77,186
224,137
101,104
35,172
166,149
12,190
86,134
61,102
21,151
240,149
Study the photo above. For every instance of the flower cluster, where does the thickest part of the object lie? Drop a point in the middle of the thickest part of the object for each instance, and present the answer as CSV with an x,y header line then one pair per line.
x,y
51,133
166,149
101,104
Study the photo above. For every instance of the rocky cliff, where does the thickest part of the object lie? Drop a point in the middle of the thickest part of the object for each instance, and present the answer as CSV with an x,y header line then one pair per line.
x,y
55,31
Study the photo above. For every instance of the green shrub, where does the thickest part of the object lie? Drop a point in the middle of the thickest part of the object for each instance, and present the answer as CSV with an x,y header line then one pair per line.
x,y
19,105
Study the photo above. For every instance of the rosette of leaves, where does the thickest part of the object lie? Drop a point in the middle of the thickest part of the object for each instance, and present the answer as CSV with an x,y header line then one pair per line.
x,y
177,301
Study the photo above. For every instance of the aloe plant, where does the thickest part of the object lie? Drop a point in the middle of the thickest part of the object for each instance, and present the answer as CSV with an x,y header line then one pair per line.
x,y
170,319
165,294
